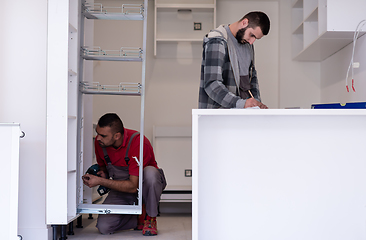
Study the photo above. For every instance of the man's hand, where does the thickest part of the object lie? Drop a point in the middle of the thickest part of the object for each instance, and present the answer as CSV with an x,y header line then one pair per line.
x,y
129,185
91,180
102,174
251,102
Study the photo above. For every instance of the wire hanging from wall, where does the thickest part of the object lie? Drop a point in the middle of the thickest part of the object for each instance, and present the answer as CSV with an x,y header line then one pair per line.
x,y
355,37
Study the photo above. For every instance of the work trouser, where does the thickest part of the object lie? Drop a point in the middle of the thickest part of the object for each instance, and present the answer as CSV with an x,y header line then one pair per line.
x,y
152,187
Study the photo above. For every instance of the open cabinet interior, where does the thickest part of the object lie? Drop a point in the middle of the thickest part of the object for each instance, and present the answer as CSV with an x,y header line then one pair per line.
x,y
68,86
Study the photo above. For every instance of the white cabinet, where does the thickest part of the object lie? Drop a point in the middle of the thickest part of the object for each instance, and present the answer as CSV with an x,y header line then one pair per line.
x,y
173,151
62,111
9,147
320,28
66,87
182,21
107,11
283,174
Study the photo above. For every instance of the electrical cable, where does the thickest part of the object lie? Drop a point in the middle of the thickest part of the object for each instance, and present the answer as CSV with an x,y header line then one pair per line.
x,y
355,37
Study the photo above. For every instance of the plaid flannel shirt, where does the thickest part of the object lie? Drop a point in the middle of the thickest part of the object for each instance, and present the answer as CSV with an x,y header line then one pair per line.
x,y
218,88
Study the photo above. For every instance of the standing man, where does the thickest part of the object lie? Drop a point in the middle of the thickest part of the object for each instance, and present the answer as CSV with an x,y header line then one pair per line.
x,y
121,175
228,75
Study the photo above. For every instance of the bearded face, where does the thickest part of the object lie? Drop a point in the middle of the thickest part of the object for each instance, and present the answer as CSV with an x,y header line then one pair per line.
x,y
240,35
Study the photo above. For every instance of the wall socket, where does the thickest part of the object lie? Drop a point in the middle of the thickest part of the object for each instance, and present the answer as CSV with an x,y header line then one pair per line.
x,y
188,172
197,26
356,65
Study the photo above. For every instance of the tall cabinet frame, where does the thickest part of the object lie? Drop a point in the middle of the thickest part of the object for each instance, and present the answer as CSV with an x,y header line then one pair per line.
x,y
66,88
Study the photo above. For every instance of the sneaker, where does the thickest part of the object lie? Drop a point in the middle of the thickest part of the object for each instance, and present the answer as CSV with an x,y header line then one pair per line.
x,y
141,219
150,227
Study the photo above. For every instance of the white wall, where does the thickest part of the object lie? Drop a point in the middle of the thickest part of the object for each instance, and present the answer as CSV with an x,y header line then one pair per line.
x,y
334,70
299,81
23,38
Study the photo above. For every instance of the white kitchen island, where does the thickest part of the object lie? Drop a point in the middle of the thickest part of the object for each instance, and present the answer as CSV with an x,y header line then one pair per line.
x,y
279,174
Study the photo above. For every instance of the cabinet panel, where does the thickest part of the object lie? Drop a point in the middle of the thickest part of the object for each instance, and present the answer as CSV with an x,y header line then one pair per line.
x,y
9,147
182,21
62,92
173,23
322,30
287,189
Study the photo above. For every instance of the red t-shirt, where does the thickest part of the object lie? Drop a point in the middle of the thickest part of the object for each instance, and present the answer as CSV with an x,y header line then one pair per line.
x,y
117,156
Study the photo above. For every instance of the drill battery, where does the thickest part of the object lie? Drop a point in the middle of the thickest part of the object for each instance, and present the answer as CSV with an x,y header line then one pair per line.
x,y
94,169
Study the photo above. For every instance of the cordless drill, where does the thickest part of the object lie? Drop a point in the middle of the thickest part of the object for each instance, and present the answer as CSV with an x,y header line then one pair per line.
x,y
94,169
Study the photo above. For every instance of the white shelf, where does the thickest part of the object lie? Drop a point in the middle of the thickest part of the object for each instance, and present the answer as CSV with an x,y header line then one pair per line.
x,y
125,12
324,46
121,89
123,54
169,14
321,33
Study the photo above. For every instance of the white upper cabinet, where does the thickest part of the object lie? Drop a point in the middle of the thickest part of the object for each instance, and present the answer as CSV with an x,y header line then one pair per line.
x,y
179,21
320,28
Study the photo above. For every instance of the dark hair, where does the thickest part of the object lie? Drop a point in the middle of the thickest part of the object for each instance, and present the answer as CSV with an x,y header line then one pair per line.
x,y
113,121
258,19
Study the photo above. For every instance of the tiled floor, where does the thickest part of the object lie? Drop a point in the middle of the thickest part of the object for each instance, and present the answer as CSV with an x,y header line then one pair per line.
x,y
177,226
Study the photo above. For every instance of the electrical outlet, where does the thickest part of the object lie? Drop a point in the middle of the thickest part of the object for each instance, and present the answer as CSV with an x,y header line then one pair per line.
x,y
356,65
188,172
197,26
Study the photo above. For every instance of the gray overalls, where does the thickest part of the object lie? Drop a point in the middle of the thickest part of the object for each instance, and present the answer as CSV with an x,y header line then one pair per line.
x,y
152,186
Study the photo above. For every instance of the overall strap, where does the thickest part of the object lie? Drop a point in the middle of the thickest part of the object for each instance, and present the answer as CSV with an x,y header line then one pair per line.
x,y
108,160
127,159
106,157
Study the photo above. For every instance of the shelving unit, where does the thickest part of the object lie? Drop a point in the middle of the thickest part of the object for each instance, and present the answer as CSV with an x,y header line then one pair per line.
x,y
321,27
170,14
66,90
124,12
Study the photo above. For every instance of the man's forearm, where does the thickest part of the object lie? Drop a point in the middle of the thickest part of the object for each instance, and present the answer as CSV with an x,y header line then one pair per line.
x,y
119,185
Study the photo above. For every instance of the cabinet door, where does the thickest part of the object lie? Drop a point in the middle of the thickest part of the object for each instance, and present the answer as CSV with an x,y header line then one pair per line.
x,y
62,92
9,147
